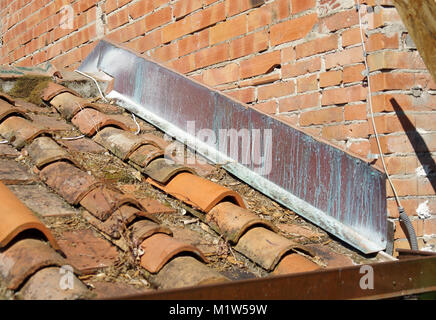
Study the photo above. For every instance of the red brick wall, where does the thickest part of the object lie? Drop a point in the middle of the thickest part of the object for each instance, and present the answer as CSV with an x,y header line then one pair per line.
x,y
300,60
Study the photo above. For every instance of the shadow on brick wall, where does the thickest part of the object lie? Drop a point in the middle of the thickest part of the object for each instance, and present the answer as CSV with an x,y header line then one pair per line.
x,y
418,144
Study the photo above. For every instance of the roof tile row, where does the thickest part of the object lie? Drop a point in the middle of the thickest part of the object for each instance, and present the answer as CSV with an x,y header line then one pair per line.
x,y
76,186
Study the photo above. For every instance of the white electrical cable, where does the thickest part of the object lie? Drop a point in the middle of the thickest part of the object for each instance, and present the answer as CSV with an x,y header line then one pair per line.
x,y
371,109
96,83
137,124
73,138
138,131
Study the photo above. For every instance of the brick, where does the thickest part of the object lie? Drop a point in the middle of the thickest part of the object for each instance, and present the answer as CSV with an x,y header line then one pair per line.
x,y
346,131
329,79
291,119
228,29
400,229
344,57
185,7
379,41
275,90
140,8
258,18
392,81
384,17
292,29
208,17
132,30
213,55
288,55
309,83
118,19
351,36
299,102
322,116
249,44
353,73
176,30
235,7
280,9
183,65
269,107
188,44
245,95
401,165
355,112
343,95
395,60
301,67
410,205
260,80
360,148
395,123
158,18
229,73
430,226
260,64
317,46
166,53
302,5
341,20
146,42
402,143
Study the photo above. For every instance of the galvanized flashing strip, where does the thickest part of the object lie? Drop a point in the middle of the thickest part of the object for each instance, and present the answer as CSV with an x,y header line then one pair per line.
x,y
336,191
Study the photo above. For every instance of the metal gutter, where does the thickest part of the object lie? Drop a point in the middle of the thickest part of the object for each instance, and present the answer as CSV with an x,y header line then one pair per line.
x,y
341,193
389,280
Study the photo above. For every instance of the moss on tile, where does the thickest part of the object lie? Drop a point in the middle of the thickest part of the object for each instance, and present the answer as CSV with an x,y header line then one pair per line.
x,y
30,88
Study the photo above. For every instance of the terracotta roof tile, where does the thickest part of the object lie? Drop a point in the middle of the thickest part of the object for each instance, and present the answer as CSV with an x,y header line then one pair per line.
x,y
145,154
6,110
89,121
265,247
42,201
51,284
294,263
86,252
143,229
53,89
44,150
6,97
6,151
103,201
69,182
82,145
162,170
19,131
15,218
24,258
194,273
198,192
50,123
121,143
118,221
12,172
68,105
232,221
161,248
